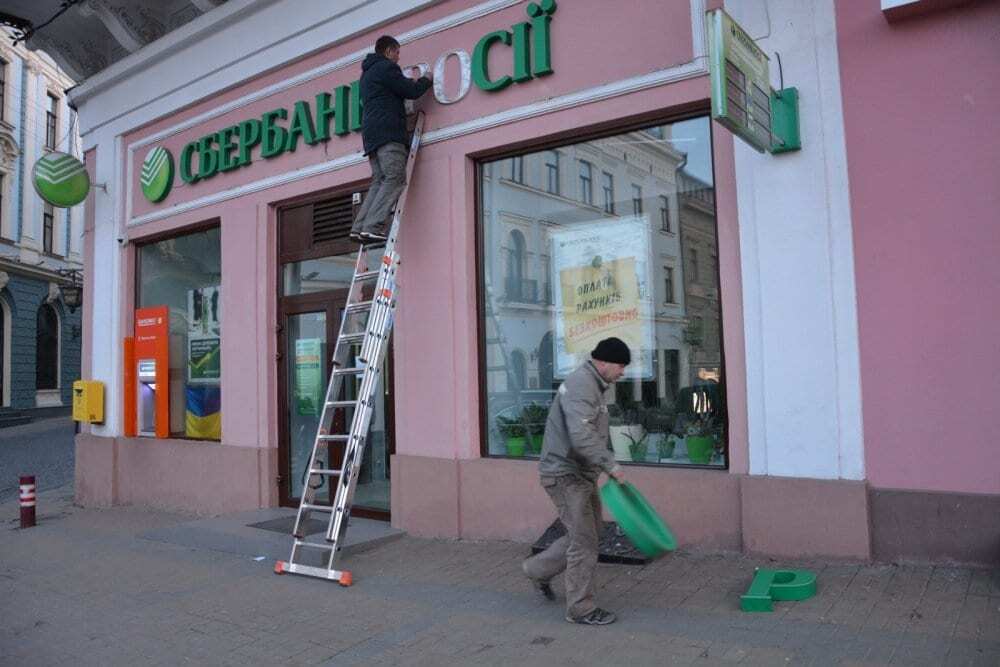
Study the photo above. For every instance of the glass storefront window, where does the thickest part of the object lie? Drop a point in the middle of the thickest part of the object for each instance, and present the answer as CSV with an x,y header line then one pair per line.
x,y
184,273
561,273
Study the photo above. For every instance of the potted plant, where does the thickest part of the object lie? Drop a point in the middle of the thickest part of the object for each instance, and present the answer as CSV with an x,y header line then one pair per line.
x,y
534,417
700,439
658,423
638,449
666,447
512,429
626,430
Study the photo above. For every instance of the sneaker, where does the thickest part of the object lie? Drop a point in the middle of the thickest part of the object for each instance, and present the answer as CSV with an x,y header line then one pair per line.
x,y
597,617
373,237
545,588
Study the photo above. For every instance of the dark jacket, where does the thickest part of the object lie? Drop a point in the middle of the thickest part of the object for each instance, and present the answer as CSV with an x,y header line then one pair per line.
x,y
383,89
577,432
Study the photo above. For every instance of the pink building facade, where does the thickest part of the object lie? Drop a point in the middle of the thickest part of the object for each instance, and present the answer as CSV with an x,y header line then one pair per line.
x,y
568,148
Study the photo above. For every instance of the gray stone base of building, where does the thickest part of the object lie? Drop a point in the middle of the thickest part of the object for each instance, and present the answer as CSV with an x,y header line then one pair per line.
x,y
937,527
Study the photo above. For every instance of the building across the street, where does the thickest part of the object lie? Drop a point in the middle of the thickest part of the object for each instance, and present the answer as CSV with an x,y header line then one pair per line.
x,y
815,353
39,244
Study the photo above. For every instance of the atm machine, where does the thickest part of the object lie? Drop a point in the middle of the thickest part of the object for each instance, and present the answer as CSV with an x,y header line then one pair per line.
x,y
146,399
147,373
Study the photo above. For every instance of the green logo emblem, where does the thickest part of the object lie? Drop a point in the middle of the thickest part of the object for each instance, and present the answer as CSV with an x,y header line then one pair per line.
x,y
61,180
157,174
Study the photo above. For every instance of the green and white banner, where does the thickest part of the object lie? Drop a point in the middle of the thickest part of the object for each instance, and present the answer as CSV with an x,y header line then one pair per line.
x,y
61,179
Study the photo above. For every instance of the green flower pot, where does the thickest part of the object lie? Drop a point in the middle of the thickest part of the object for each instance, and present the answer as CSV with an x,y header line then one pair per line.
x,y
515,446
535,444
700,448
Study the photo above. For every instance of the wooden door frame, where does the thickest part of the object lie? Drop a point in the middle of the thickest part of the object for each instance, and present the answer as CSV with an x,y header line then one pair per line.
x,y
315,302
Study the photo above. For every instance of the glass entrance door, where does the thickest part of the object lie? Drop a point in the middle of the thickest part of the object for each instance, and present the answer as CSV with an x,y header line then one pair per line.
x,y
306,353
311,317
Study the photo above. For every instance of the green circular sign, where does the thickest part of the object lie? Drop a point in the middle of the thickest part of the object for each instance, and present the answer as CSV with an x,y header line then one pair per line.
x,y
157,174
61,180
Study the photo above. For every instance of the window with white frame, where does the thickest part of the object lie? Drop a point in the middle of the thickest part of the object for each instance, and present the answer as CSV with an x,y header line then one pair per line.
x,y
552,172
3,87
608,185
665,213
48,222
51,122
668,284
516,172
586,182
636,199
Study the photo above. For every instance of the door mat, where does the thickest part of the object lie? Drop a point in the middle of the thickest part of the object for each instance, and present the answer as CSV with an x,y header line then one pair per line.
x,y
286,523
613,546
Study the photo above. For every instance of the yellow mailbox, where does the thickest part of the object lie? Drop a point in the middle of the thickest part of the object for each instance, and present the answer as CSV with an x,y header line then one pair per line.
x,y
88,401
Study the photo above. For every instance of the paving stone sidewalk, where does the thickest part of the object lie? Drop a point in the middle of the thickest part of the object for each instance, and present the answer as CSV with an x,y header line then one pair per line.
x,y
85,588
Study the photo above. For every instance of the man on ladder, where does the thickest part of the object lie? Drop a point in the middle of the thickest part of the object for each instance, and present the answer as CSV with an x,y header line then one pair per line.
x,y
383,130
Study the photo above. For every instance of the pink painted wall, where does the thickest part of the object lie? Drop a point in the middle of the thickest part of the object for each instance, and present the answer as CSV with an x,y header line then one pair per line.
x,y
920,103
436,355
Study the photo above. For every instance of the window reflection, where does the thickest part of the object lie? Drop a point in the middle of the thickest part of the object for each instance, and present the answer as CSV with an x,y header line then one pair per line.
x,y
562,271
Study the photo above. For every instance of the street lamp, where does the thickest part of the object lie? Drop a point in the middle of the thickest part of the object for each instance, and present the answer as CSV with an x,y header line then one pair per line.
x,y
72,293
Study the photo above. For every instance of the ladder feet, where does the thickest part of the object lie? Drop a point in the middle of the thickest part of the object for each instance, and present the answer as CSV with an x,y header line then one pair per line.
x,y
279,567
346,579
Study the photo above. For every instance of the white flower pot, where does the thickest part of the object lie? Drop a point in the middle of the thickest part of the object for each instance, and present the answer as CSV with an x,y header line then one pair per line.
x,y
620,440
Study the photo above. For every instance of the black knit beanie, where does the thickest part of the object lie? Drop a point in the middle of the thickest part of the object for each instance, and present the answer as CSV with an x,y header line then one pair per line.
x,y
612,350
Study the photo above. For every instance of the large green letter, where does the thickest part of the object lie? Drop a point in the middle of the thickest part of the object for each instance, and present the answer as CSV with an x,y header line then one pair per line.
x,y
356,106
185,161
226,147
301,125
768,585
208,157
249,133
480,62
324,112
522,53
274,135
541,16
342,101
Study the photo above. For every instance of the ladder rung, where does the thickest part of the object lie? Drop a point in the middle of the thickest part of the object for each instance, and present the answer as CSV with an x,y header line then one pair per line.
x,y
342,404
313,545
357,370
324,471
366,275
341,576
318,508
337,437
350,337
358,307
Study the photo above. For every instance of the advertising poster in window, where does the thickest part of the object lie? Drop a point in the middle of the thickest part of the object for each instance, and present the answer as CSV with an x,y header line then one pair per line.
x,y
204,336
602,274
308,376
203,416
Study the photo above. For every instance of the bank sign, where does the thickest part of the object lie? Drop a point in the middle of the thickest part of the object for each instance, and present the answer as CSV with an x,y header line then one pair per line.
x,y
338,112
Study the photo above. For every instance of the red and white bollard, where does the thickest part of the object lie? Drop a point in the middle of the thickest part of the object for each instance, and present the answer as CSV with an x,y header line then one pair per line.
x,y
27,501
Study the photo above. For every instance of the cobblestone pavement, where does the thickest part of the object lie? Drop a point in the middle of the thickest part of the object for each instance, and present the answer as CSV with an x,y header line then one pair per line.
x,y
43,448
83,588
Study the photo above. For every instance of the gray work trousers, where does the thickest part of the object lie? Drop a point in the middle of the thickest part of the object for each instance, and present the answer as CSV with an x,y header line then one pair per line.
x,y
388,165
579,509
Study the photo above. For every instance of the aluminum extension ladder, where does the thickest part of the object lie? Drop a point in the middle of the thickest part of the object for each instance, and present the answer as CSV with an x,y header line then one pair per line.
x,y
374,339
